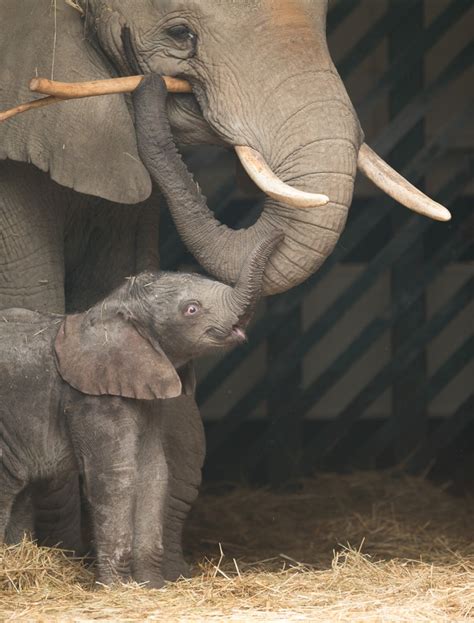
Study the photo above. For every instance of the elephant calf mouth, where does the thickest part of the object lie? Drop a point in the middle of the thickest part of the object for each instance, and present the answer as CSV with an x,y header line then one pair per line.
x,y
236,335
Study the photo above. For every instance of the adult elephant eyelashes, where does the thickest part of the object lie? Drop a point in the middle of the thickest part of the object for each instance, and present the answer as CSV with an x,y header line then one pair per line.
x,y
183,38
181,33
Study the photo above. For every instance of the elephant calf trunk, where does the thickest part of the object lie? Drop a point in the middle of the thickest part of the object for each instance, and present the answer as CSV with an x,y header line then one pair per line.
x,y
248,288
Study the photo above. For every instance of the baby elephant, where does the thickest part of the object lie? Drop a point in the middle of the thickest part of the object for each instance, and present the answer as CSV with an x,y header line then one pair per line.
x,y
77,391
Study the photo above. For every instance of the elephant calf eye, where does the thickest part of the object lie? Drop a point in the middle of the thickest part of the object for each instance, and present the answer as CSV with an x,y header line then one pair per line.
x,y
192,309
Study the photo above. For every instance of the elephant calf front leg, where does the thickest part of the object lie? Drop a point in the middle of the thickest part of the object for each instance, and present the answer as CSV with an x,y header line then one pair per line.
x,y
110,495
105,438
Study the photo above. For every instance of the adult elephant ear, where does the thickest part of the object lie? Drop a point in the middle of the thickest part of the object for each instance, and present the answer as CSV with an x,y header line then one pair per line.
x,y
88,145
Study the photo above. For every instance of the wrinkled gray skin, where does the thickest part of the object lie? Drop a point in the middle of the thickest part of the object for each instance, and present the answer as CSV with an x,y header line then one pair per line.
x,y
262,75
85,392
76,214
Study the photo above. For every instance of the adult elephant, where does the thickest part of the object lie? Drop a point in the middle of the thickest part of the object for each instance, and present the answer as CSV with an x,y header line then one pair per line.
x,y
77,207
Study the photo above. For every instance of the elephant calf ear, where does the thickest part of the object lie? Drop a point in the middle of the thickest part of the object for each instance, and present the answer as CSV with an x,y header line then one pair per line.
x,y
112,358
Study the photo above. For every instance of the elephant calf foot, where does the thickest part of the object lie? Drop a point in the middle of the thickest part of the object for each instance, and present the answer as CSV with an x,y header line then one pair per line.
x,y
151,578
115,569
148,570
175,567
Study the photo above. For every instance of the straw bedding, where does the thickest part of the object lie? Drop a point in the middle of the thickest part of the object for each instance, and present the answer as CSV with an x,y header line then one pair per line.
x,y
365,547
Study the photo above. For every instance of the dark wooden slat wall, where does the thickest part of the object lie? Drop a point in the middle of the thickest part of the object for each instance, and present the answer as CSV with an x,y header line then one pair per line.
x,y
410,417
256,400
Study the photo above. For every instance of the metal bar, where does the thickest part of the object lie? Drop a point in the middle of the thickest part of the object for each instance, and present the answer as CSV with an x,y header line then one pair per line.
x,y
406,353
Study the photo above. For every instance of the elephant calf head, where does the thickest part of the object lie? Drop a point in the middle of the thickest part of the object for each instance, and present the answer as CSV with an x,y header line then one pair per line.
x,y
138,342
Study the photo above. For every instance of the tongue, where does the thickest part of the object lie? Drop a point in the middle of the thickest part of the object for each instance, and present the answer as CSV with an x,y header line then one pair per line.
x,y
239,334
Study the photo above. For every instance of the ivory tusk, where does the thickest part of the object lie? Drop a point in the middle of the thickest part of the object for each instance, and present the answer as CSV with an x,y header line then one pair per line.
x,y
62,91
395,185
259,171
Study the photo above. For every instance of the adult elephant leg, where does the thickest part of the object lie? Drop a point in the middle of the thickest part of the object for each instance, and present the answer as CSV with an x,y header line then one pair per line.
x,y
184,445
31,239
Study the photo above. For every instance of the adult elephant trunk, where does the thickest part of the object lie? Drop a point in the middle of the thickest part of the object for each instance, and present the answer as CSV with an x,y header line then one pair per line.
x,y
326,161
248,288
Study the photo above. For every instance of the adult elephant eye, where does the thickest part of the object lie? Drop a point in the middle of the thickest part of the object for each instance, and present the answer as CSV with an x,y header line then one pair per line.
x,y
182,34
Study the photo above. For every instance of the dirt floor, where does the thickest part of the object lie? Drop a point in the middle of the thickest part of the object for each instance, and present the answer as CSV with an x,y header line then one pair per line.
x,y
359,548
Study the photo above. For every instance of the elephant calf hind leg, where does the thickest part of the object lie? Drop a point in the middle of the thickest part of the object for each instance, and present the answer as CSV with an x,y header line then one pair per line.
x,y
21,522
57,509
174,566
10,488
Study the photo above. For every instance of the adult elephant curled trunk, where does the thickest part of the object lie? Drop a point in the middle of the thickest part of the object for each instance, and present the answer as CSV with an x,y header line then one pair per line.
x,y
262,82
310,232
292,124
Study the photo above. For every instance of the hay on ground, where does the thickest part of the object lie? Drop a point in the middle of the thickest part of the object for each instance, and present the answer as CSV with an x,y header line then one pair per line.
x,y
365,547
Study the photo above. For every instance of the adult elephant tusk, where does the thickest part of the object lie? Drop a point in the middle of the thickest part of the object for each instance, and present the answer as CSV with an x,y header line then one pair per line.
x,y
259,171
395,185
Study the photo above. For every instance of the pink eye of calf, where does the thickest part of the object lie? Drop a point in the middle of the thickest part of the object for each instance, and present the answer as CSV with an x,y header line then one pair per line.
x,y
191,310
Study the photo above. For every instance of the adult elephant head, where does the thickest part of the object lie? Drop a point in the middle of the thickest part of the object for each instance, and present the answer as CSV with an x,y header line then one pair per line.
x,y
265,83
